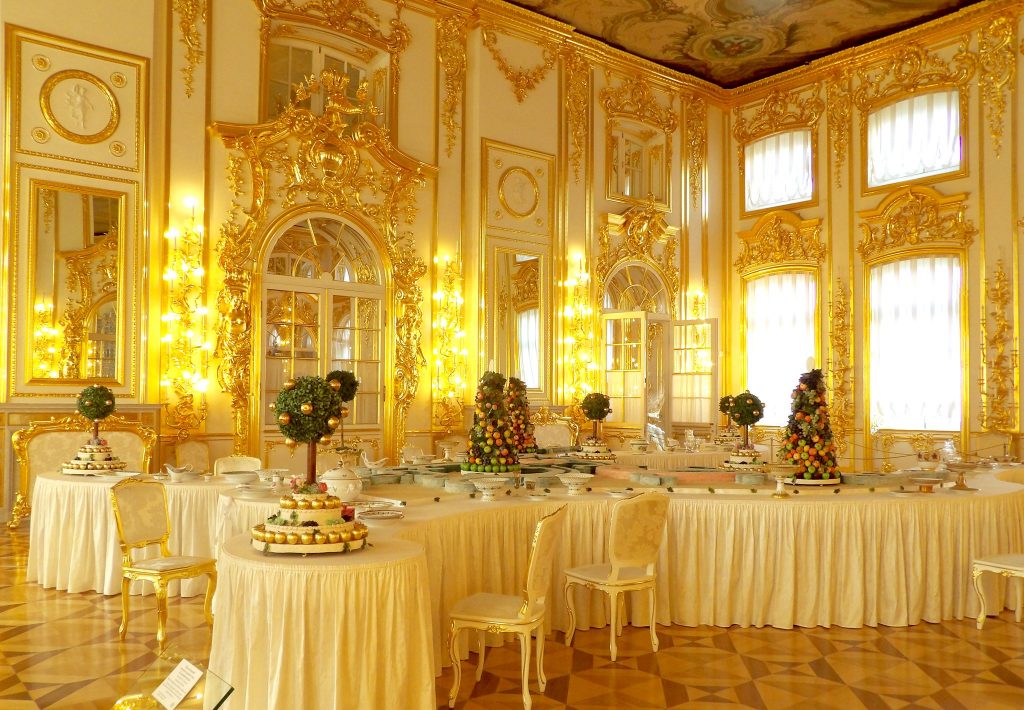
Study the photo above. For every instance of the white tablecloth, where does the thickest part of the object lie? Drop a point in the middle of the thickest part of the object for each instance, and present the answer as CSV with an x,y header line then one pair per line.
x,y
73,542
323,631
672,460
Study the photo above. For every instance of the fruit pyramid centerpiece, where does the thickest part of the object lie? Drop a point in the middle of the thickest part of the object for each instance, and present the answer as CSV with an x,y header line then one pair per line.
x,y
491,449
808,440
309,520
518,407
95,402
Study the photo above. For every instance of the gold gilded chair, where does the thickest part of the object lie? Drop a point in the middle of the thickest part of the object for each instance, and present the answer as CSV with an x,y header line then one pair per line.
x,y
637,527
44,445
519,614
193,453
140,509
552,430
236,462
1009,566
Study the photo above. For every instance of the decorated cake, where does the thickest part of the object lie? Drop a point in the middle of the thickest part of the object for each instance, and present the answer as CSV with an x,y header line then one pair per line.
x,y
310,521
94,457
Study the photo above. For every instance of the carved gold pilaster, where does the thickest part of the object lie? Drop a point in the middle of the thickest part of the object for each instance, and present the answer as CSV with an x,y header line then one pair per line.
x,y
913,217
639,234
696,144
302,161
780,237
190,14
998,67
452,31
577,106
998,355
523,80
839,103
840,370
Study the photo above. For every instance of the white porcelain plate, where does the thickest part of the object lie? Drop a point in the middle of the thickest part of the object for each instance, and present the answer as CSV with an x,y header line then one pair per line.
x,y
619,492
383,514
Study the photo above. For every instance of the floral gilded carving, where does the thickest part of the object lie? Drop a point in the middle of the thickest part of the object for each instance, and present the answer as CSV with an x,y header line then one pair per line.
x,y
301,161
639,234
190,14
779,111
780,237
452,31
912,217
998,357
912,68
523,80
841,366
577,106
696,144
635,97
839,103
998,67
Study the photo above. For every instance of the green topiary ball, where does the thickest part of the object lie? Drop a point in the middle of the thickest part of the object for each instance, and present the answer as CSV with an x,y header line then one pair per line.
x,y
96,402
746,409
596,406
320,401
348,385
725,404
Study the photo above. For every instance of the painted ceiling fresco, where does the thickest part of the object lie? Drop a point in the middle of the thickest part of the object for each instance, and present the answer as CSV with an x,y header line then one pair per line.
x,y
733,42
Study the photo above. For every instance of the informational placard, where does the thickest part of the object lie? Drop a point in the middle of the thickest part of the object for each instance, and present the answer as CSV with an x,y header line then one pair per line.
x,y
177,685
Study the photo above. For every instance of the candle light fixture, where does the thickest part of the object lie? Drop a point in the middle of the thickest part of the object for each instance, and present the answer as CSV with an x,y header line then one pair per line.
x,y
449,344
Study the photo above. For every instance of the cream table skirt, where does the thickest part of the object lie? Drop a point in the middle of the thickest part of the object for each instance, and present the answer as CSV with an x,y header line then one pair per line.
x,y
73,543
323,631
672,460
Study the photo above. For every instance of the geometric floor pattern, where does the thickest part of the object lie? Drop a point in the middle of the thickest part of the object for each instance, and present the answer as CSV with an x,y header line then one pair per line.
x,y
60,650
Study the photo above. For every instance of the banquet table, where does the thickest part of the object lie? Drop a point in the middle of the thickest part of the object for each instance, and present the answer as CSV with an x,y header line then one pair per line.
x,y
859,557
672,460
323,631
73,543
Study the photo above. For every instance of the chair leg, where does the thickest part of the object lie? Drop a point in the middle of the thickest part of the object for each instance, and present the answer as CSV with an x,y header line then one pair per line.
x,y
126,585
612,646
976,574
453,653
542,680
654,633
161,613
524,649
481,649
1019,613
622,614
211,587
572,611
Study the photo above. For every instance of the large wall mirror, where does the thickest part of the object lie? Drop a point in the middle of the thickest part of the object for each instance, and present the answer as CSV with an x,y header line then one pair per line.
x,y
519,317
638,161
76,283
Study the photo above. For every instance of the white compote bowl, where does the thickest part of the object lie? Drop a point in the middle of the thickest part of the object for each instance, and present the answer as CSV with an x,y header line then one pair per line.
x,y
575,482
489,485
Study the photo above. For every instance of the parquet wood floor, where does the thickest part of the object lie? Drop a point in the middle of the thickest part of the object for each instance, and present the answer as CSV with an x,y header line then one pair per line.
x,y
60,650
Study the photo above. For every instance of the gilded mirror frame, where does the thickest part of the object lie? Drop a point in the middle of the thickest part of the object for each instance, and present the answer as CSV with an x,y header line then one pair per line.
x,y
662,201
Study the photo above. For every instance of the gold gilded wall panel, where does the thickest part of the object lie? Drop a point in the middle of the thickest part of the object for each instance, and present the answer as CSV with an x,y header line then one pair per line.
x,y
780,238
519,189
303,162
914,218
76,102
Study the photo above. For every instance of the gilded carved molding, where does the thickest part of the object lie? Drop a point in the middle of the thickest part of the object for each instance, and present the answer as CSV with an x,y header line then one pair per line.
x,y
190,14
452,31
642,235
840,370
779,111
304,160
910,69
635,97
577,106
915,216
523,80
779,238
839,102
998,355
998,67
696,144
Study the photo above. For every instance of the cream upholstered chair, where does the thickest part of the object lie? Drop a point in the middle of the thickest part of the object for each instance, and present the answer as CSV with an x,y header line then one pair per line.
x,y
637,527
46,444
236,462
140,509
193,453
1008,566
552,430
519,614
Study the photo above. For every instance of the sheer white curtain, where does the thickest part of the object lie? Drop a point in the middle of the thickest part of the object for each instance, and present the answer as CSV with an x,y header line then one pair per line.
x,y
781,332
778,170
916,137
528,341
915,366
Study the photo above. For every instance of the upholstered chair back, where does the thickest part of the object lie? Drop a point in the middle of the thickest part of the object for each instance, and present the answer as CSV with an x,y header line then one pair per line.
x,y
140,508
193,453
542,556
226,464
552,430
637,527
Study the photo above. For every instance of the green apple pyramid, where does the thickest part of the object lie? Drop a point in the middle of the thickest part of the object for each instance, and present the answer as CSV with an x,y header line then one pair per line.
x,y
491,449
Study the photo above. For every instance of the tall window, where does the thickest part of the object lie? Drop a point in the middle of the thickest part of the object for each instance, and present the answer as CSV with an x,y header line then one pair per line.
x,y
916,371
290,63
781,335
778,170
914,138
